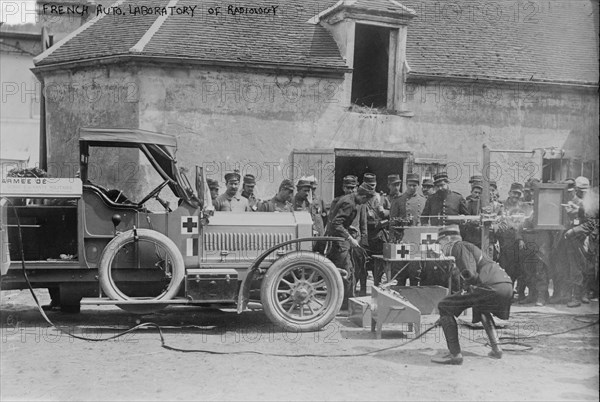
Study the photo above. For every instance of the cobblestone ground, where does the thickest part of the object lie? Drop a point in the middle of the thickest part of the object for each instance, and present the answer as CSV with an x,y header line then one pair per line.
x,y
243,357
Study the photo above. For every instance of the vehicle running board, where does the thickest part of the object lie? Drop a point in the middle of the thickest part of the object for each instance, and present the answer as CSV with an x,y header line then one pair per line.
x,y
111,302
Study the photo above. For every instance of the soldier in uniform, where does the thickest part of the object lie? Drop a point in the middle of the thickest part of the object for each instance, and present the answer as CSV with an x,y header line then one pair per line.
x,y
427,187
375,213
248,192
281,201
578,266
559,258
319,214
471,231
342,217
230,200
303,201
443,203
393,182
410,203
213,186
489,292
534,256
350,183
509,235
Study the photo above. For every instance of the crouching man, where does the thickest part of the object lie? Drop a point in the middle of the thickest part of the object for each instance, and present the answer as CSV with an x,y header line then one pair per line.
x,y
489,292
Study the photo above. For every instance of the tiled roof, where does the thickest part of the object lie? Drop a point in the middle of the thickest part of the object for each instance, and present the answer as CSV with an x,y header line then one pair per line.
x,y
381,6
553,41
548,41
285,39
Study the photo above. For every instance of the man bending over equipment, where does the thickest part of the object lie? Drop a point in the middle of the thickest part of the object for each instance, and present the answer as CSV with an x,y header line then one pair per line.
x,y
490,292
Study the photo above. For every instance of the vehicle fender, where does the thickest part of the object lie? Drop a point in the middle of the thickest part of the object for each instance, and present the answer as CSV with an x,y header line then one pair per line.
x,y
244,291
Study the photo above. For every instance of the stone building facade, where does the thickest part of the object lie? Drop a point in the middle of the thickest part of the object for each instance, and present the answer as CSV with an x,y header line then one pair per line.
x,y
332,89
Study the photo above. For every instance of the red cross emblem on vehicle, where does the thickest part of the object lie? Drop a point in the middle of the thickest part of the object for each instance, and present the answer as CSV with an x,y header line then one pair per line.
x,y
189,225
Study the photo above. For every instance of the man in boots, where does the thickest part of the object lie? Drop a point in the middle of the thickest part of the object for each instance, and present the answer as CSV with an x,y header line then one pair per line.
x,y
489,292
341,218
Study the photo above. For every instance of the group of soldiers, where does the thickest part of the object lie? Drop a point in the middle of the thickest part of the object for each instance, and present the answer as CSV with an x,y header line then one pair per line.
x,y
362,216
534,257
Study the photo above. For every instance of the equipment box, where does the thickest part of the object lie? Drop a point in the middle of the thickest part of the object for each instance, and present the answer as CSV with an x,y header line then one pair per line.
x,y
211,285
360,310
392,251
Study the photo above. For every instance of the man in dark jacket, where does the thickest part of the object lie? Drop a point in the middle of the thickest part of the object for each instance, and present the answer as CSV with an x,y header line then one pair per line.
x,y
443,203
341,218
490,292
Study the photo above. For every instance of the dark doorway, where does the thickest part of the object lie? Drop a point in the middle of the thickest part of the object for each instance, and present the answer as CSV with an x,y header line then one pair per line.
x,y
359,165
371,59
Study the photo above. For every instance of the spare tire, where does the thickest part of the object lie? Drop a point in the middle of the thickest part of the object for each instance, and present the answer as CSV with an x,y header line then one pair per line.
x,y
151,251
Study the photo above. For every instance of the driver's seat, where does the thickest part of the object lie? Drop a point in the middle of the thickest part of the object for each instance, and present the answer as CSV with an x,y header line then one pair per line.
x,y
112,198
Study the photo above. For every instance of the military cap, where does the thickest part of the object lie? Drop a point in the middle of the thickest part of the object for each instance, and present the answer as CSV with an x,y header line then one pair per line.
x,y
428,182
570,184
249,179
286,184
303,183
476,184
531,184
413,177
394,178
370,179
350,181
476,178
366,189
313,181
493,184
518,187
233,176
212,183
582,183
439,177
448,230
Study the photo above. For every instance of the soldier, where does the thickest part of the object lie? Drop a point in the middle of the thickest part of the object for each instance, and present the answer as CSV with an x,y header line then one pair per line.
x,y
490,292
471,231
303,197
230,200
559,258
375,213
411,203
342,217
427,187
393,182
579,268
495,205
213,186
281,201
474,199
304,201
350,183
509,237
534,257
248,192
443,203
319,212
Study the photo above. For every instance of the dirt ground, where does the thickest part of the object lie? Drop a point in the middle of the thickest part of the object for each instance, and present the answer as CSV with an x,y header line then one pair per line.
x,y
39,363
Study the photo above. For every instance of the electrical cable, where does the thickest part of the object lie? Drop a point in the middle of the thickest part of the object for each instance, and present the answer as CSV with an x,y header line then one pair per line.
x,y
159,328
206,351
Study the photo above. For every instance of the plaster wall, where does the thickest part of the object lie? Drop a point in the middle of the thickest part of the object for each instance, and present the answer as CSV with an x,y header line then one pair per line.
x,y
226,119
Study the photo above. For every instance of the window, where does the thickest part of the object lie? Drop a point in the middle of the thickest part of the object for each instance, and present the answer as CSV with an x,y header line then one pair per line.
x,y
371,63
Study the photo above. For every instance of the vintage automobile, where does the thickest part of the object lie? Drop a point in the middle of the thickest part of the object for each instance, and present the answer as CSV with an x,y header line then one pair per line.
x,y
91,245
